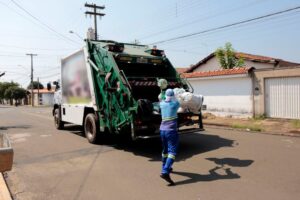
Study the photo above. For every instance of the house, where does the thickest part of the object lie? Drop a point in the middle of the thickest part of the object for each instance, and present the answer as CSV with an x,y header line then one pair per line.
x,y
211,63
42,97
264,86
226,92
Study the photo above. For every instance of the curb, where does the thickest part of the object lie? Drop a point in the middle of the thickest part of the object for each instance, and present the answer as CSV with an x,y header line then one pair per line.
x,y
4,192
226,127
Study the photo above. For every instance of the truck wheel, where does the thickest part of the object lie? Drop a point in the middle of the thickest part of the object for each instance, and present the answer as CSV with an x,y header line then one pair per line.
x,y
91,128
57,120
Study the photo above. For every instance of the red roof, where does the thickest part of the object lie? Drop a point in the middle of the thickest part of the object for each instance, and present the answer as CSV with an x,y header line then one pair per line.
x,y
181,70
221,72
258,58
42,91
245,56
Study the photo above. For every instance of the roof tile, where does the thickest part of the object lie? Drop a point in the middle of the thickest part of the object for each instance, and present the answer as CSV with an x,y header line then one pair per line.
x,y
238,70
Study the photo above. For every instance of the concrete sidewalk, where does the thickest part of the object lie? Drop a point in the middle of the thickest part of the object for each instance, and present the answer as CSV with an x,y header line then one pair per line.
x,y
4,192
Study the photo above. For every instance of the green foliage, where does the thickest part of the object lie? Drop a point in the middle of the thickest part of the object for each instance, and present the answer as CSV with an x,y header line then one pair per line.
x,y
36,85
19,93
8,94
15,93
226,57
260,117
4,86
296,123
10,91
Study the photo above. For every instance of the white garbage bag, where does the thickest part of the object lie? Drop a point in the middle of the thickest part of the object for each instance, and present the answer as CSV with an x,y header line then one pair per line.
x,y
190,101
178,91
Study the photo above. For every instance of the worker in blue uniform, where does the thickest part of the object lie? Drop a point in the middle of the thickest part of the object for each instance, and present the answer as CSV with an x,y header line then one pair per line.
x,y
168,133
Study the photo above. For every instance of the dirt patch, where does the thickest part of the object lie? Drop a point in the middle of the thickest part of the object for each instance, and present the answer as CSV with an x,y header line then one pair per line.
x,y
274,126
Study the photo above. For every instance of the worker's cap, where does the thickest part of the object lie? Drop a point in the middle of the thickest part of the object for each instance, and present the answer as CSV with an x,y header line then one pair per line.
x,y
169,95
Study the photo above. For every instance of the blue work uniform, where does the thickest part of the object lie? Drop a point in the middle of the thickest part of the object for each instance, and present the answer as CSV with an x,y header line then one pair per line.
x,y
168,133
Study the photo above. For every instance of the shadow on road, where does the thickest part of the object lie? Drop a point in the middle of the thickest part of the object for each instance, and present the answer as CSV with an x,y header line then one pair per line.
x,y
189,146
11,127
234,162
223,165
75,129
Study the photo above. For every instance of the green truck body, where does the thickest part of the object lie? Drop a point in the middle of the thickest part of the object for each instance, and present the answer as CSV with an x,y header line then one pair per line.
x,y
123,92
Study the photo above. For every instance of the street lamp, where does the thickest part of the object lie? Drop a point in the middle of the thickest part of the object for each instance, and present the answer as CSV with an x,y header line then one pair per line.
x,y
2,74
72,32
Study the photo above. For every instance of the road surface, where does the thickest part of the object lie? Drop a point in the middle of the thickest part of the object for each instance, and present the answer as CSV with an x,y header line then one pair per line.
x,y
215,164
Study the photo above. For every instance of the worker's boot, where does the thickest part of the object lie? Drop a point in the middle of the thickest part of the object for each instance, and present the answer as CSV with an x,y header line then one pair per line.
x,y
167,178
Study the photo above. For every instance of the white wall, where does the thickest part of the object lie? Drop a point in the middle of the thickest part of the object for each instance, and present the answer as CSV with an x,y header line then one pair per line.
x,y
48,99
211,65
258,65
226,95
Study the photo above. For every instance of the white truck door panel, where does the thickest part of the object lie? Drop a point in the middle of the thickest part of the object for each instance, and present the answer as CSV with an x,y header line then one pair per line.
x,y
72,114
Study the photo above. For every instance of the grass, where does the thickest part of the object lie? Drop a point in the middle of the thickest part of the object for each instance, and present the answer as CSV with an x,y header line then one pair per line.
x,y
296,123
254,127
259,117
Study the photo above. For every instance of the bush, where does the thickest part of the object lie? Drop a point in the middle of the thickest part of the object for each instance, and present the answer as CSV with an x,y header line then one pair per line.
x,y
296,123
254,127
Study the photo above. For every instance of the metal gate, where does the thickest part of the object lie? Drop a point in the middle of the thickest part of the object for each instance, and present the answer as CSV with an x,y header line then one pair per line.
x,y
282,97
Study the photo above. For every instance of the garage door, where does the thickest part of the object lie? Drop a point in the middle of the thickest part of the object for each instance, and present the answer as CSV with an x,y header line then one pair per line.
x,y
282,97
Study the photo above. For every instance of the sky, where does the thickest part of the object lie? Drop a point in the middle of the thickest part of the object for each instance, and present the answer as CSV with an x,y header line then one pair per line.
x,y
42,28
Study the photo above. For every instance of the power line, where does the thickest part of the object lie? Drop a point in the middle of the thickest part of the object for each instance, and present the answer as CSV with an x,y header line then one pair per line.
x,y
21,15
49,76
168,13
40,49
226,26
8,55
190,22
41,22
212,37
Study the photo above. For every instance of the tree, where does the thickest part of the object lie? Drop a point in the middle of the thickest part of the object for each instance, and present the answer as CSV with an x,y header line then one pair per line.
x,y
15,93
8,94
35,85
4,86
19,93
227,58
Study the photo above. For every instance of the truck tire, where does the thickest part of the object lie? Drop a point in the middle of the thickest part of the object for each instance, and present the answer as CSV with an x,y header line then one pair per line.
x,y
59,124
91,128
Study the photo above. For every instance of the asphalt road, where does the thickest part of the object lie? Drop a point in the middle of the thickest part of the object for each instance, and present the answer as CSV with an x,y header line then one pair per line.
x,y
215,164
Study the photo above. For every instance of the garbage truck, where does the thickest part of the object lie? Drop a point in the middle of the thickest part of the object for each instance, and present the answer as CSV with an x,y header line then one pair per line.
x,y
108,87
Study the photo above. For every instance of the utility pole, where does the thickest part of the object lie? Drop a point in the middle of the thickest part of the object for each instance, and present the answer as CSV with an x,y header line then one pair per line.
x,y
95,14
38,94
32,96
